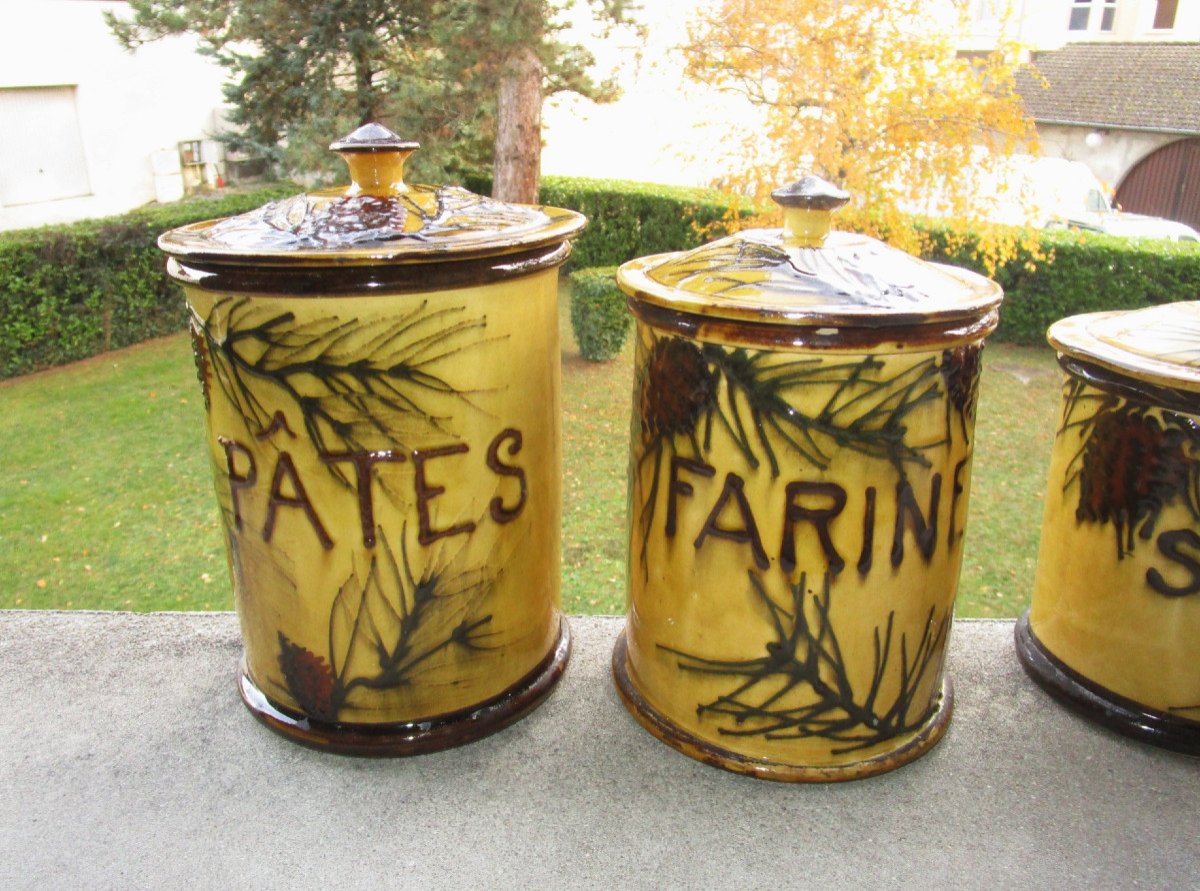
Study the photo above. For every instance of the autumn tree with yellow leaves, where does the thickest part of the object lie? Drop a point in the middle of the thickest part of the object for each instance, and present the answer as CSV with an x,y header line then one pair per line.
x,y
872,95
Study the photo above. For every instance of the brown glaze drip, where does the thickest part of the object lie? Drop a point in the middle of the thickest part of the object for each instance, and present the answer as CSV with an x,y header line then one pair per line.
x,y
902,332
1129,387
366,280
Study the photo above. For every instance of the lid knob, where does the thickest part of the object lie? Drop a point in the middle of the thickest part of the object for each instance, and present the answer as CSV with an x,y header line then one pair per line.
x,y
807,206
375,156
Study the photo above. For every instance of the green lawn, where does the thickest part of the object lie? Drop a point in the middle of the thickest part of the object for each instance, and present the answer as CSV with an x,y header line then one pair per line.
x,y
1020,396
106,498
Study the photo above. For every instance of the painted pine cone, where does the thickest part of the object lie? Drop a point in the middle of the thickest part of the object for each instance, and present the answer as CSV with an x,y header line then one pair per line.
x,y
309,679
676,388
1133,467
960,372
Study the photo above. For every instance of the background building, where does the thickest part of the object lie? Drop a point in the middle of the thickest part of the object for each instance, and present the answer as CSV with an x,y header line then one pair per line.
x,y
1052,24
1114,84
88,129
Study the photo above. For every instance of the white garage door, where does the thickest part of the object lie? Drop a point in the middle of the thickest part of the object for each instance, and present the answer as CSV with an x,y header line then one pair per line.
x,y
41,153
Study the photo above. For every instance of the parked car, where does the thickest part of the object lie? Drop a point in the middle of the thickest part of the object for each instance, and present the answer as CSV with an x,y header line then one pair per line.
x,y
1023,190
1131,225
1052,193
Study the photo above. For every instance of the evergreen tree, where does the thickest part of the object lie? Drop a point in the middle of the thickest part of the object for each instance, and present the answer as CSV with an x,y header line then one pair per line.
x,y
461,76
512,51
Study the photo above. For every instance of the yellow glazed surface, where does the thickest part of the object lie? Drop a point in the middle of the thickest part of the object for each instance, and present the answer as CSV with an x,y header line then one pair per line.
x,y
803,407
388,473
1158,345
1117,595
796,536
380,368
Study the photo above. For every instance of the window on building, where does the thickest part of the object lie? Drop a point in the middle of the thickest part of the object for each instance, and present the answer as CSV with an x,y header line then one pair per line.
x,y
980,10
1081,14
1081,11
41,154
1108,14
1164,14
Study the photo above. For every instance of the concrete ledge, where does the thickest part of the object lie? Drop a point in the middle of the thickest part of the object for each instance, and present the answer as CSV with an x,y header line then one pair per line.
x,y
128,761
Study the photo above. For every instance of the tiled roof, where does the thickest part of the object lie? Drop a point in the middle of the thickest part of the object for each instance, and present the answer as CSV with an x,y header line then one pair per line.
x,y
1153,86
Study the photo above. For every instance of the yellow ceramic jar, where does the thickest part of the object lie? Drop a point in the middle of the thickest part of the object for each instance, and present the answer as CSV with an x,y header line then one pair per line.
x,y
380,367
803,409
1114,627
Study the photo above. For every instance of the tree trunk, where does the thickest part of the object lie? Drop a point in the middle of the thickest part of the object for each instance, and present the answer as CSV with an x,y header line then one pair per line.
x,y
364,89
518,159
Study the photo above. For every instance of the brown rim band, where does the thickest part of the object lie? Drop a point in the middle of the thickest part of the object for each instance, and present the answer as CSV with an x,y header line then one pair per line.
x,y
1085,697
1130,388
904,332
366,279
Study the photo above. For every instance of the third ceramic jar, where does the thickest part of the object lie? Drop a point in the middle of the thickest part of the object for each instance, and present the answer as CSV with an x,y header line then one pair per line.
x,y
803,413
1114,629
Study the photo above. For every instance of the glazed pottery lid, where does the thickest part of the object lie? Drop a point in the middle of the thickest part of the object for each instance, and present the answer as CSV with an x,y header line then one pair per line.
x,y
803,274
378,218
1157,345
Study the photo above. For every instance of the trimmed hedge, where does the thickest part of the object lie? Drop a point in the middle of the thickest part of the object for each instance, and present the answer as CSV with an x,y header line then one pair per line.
x,y
68,292
71,291
629,219
599,317
1082,272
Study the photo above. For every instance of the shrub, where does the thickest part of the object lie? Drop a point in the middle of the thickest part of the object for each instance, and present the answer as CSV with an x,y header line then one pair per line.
x,y
71,291
1081,272
68,292
599,317
629,219
1077,273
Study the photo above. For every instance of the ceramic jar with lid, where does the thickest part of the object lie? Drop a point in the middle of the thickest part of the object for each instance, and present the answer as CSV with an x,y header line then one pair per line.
x,y
380,366
1114,626
803,413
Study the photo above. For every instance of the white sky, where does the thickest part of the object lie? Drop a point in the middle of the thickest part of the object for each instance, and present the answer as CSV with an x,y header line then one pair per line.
x,y
662,130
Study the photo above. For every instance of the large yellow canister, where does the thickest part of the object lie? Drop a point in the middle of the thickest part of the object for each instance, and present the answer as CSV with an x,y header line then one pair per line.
x,y
803,411
380,366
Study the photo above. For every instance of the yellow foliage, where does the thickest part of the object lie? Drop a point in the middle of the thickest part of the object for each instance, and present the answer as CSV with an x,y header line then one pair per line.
x,y
871,95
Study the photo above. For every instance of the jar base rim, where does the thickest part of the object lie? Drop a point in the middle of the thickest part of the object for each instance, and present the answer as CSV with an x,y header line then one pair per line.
x,y
918,743
421,736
